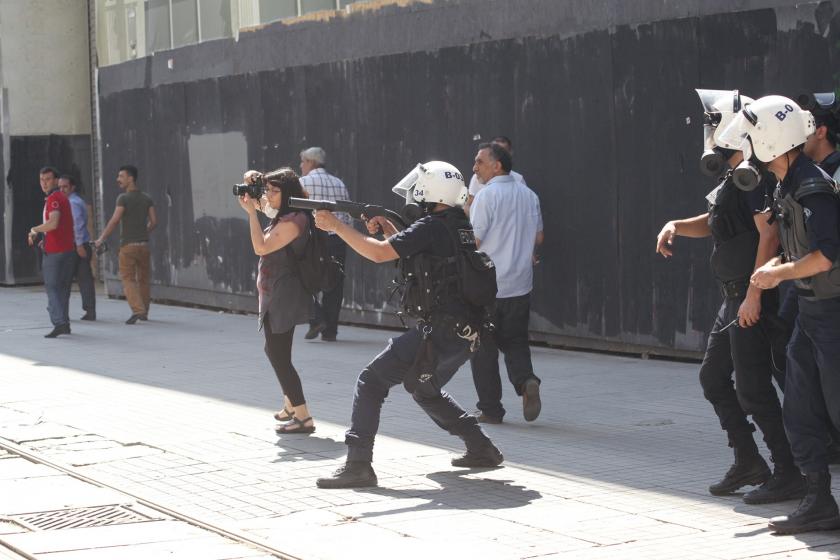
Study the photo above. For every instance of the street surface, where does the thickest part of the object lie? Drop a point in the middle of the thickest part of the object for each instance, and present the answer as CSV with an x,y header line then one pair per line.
x,y
178,411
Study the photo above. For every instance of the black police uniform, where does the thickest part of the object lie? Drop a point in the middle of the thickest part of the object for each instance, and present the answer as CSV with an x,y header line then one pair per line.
x,y
808,210
809,219
755,353
448,332
788,308
831,163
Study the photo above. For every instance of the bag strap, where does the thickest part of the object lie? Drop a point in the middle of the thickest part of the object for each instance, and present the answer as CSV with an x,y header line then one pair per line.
x,y
814,185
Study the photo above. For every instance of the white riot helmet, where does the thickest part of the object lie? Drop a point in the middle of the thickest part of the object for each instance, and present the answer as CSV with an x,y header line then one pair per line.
x,y
431,183
720,107
769,127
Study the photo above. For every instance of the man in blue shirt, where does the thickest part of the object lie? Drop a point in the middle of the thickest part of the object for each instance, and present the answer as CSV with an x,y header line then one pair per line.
x,y
83,273
507,222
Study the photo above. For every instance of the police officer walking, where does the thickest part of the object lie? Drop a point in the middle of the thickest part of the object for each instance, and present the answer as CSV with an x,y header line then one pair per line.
x,y
821,146
425,357
747,327
807,208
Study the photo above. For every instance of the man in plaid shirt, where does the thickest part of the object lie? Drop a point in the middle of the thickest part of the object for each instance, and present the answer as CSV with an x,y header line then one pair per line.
x,y
323,316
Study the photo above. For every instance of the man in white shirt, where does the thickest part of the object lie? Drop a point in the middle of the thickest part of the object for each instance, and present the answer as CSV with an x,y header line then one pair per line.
x,y
323,316
507,222
475,183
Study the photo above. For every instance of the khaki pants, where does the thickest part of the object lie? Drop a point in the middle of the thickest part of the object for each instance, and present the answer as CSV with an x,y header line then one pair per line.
x,y
134,271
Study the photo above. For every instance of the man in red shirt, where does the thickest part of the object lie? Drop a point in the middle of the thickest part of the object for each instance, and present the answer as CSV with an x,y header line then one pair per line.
x,y
58,249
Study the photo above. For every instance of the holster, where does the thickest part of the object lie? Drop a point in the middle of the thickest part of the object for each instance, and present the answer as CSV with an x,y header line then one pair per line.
x,y
420,378
735,288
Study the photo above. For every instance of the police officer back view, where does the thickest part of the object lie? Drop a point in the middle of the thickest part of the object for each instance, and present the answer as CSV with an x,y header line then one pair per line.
x,y
426,357
743,241
821,146
807,209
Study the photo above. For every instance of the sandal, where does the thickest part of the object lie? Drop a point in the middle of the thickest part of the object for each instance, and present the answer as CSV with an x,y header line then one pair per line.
x,y
284,415
295,426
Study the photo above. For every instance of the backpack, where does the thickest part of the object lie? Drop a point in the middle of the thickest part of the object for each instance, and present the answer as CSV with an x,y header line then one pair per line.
x,y
476,271
318,271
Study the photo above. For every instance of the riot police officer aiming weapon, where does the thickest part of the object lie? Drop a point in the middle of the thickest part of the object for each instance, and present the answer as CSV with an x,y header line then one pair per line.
x,y
425,357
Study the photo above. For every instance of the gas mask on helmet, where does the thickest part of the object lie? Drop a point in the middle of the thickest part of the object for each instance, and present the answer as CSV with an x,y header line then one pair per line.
x,y
747,175
713,161
719,107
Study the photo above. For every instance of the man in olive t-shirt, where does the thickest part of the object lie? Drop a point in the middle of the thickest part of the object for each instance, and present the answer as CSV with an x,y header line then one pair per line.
x,y
135,212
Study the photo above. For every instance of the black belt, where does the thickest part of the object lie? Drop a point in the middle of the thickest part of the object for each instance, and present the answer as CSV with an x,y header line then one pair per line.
x,y
735,288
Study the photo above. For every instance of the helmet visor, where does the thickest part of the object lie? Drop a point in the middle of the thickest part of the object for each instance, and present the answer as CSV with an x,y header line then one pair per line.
x,y
735,136
720,100
404,187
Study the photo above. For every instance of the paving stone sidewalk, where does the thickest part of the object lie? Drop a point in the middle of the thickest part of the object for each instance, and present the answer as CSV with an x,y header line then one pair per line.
x,y
178,411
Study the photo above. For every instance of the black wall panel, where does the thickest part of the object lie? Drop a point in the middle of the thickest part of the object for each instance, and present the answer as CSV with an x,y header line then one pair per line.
x,y
28,154
606,126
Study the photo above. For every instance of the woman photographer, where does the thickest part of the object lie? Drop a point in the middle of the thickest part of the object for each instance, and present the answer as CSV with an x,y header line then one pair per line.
x,y
283,301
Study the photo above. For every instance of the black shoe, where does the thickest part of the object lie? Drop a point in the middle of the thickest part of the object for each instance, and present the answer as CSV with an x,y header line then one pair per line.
x,y
749,469
328,337
89,316
482,418
816,512
314,330
787,483
531,404
353,474
144,317
489,456
133,319
60,329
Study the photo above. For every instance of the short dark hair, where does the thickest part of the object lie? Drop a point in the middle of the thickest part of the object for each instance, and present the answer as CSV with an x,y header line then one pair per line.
x,y
504,140
72,181
286,179
130,169
500,154
49,169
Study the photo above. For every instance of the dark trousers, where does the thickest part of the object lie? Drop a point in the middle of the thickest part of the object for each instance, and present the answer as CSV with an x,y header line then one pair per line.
x,y
83,274
278,348
511,337
388,369
57,269
750,353
812,391
330,305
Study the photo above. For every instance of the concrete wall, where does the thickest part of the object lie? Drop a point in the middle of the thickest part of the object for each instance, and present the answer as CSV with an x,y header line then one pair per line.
x,y
598,98
45,78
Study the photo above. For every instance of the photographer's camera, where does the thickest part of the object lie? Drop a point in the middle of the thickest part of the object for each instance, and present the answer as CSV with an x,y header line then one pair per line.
x,y
253,190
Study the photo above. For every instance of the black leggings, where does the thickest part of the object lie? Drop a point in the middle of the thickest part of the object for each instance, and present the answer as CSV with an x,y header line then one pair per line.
x,y
278,348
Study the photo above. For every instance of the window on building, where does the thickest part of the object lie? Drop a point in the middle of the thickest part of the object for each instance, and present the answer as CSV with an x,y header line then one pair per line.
x,y
307,6
184,22
216,17
158,37
272,10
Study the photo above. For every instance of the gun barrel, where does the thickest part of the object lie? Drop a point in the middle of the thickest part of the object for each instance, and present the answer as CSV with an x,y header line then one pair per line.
x,y
310,204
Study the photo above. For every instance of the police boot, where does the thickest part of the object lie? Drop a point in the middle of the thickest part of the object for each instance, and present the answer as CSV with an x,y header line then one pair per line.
x,y
749,468
353,474
786,483
816,512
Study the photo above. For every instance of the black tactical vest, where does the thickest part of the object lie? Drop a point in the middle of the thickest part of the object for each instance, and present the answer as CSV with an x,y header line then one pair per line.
x,y
831,163
734,232
430,282
791,217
